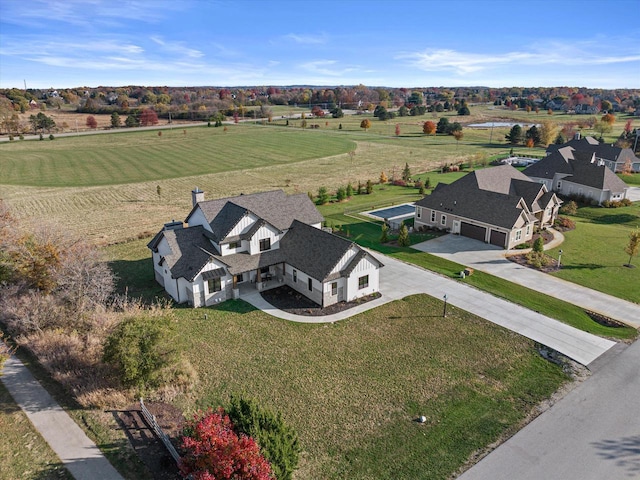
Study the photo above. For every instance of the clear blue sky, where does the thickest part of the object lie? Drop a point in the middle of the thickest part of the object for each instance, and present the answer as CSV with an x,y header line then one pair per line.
x,y
70,43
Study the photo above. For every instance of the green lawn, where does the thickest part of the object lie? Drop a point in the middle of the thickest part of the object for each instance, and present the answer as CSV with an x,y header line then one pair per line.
x,y
632,180
367,233
141,156
353,389
593,253
23,452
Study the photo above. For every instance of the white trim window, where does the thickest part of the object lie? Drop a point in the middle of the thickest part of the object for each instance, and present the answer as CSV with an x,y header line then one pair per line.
x,y
265,244
295,276
419,212
443,219
528,230
433,216
363,282
214,285
518,235
334,288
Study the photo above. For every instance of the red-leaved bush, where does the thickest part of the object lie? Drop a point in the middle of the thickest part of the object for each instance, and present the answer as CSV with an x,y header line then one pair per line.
x,y
214,451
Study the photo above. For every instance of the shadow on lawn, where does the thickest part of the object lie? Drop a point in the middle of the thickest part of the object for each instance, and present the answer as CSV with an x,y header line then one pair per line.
x,y
582,266
621,218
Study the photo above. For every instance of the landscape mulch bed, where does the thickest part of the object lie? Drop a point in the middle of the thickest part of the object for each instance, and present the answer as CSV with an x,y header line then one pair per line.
x,y
147,446
287,299
552,265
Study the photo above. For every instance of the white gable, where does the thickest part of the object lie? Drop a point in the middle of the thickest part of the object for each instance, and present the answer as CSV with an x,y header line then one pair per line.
x,y
198,218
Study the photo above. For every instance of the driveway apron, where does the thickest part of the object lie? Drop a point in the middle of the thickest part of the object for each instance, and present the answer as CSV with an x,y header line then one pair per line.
x,y
491,259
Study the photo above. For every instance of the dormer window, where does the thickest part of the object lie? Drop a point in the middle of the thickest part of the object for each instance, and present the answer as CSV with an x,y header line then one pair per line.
x,y
234,245
265,244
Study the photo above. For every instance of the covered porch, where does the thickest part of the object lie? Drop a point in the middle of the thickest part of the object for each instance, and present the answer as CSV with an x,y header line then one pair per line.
x,y
260,279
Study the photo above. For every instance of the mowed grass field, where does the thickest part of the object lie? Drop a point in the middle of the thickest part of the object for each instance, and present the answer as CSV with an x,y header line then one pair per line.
x,y
137,157
104,187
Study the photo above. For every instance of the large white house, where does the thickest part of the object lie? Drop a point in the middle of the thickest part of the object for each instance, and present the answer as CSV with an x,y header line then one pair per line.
x,y
235,245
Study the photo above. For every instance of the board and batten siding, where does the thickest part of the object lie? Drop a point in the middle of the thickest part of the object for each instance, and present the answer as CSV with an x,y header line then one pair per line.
x,y
344,261
302,284
265,231
364,267
243,225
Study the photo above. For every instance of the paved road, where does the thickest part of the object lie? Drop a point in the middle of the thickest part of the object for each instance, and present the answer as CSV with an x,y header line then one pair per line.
x,y
77,452
593,433
399,279
491,259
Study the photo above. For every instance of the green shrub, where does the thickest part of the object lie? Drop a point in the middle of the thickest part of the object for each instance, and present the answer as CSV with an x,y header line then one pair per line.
x,y
570,208
626,202
51,137
522,246
606,204
139,349
537,259
538,245
278,442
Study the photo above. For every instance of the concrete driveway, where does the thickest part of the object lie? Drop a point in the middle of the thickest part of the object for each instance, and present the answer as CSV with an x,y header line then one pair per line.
x,y
399,279
590,434
633,194
491,259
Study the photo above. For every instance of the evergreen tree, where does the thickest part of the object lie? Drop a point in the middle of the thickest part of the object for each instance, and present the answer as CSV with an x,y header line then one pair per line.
x,y
406,173
515,135
403,236
384,237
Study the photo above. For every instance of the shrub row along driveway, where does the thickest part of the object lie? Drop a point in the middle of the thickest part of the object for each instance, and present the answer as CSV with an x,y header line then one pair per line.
x,y
491,259
398,279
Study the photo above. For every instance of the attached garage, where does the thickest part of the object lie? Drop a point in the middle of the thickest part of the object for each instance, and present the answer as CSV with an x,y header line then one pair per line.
x,y
498,238
473,231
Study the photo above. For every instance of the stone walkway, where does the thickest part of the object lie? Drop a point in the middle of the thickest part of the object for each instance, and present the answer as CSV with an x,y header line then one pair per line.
x,y
77,452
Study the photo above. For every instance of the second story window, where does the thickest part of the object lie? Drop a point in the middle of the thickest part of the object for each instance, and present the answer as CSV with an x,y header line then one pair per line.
x,y
265,244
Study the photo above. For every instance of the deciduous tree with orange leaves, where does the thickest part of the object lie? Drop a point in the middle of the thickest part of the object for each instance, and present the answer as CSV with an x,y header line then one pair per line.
x,y
429,128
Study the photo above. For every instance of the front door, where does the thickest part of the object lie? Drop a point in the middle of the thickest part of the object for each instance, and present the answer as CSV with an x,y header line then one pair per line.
x,y
456,227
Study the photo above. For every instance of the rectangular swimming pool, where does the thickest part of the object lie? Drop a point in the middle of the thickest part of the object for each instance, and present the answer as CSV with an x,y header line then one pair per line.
x,y
393,212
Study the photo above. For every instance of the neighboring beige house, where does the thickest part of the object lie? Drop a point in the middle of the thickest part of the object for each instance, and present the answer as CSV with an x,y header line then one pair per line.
x,y
615,158
578,173
232,246
497,205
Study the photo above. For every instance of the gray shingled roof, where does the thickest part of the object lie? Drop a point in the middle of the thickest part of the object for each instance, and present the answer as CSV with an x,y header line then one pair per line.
x,y
227,218
497,179
592,175
307,248
486,207
580,168
601,150
549,166
190,251
243,262
489,195
313,251
275,207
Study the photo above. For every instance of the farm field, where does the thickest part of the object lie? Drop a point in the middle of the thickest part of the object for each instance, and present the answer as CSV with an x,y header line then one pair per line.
x,y
105,187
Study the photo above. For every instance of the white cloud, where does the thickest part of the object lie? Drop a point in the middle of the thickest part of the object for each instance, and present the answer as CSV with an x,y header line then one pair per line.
x,y
324,67
551,53
177,48
307,39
